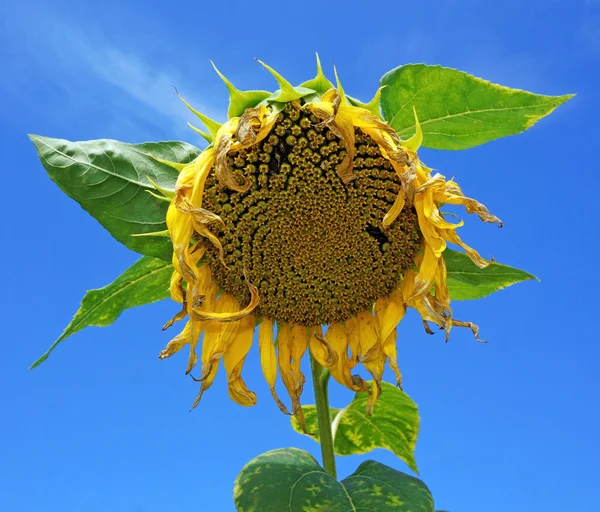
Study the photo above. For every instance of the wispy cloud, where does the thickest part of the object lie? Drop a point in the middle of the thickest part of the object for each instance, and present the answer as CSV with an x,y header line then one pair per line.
x,y
87,67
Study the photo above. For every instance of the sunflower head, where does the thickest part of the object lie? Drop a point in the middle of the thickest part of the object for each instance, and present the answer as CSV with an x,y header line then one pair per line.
x,y
307,210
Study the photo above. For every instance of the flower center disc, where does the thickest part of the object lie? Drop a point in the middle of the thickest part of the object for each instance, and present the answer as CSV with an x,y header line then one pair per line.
x,y
314,246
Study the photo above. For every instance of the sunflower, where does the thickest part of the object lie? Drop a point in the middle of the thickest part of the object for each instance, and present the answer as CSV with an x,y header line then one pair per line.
x,y
307,210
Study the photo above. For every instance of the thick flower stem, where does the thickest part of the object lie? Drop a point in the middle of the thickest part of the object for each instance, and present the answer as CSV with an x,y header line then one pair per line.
x,y
320,378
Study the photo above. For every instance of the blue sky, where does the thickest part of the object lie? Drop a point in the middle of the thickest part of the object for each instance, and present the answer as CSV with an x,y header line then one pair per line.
x,y
104,425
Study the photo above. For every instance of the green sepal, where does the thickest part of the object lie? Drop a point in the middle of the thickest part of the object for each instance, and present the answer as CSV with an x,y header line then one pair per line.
x,y
211,125
164,232
286,92
206,136
340,89
372,106
239,101
320,83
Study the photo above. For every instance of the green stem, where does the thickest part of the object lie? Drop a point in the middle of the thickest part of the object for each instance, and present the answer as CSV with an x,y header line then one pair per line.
x,y
320,378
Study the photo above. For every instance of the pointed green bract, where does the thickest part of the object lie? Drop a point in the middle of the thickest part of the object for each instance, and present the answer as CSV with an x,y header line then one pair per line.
x,y
372,106
414,143
291,479
164,232
108,178
394,425
287,92
239,101
339,87
146,281
458,110
211,125
167,193
466,281
319,83
206,136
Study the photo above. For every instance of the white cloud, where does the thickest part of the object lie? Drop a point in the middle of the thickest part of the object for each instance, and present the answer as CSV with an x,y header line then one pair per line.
x,y
47,52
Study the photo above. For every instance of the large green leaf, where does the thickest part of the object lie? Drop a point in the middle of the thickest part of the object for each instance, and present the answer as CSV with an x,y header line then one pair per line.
x,y
290,479
394,425
466,281
146,281
109,179
458,110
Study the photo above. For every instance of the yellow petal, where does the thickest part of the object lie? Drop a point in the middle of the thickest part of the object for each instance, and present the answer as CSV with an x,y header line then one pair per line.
x,y
236,314
424,279
373,355
268,358
217,338
177,343
395,210
353,340
389,348
233,360
291,345
337,338
389,312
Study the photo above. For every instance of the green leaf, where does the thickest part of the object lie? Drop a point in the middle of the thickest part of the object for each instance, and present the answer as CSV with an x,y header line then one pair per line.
x,y
394,425
146,281
290,479
110,180
466,281
458,110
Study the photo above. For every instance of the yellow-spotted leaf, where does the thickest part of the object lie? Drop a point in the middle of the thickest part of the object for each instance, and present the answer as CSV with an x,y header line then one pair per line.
x,y
291,479
466,281
457,110
111,181
394,425
146,281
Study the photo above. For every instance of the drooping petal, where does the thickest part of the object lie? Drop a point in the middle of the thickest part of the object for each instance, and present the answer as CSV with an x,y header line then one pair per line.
x,y
337,338
389,348
389,312
233,360
268,358
395,210
373,355
217,338
321,350
291,345
231,316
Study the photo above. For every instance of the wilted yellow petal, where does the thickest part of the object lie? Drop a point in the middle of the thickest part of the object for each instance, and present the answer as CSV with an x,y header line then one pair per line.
x,y
389,348
395,210
389,312
268,358
231,316
233,360
337,338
